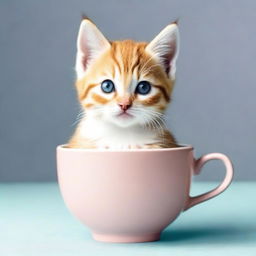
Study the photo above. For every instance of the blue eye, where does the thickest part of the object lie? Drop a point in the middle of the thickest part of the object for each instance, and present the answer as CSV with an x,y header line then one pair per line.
x,y
143,87
107,86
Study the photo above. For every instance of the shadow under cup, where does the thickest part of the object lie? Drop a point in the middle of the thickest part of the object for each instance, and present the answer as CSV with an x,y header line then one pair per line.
x,y
131,195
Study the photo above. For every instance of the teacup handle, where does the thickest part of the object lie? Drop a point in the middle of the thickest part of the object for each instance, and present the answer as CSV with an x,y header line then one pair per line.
x,y
225,183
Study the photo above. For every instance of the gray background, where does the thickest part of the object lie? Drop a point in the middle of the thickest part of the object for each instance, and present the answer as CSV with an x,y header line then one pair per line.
x,y
214,99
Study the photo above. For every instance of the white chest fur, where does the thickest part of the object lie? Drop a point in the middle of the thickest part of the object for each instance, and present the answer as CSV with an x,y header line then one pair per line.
x,y
107,135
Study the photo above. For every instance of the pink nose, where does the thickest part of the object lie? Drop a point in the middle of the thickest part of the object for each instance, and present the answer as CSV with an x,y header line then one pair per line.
x,y
124,106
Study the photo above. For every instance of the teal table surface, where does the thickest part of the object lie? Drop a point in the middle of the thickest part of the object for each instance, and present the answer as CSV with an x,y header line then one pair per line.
x,y
34,221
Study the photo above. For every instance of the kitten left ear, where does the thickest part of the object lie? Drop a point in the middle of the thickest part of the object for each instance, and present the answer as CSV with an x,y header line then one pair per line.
x,y
90,44
165,48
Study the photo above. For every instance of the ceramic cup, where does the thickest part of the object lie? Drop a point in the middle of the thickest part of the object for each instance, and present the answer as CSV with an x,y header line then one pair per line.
x,y
131,196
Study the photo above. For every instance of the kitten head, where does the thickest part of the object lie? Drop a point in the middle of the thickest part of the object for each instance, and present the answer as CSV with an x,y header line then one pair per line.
x,y
125,82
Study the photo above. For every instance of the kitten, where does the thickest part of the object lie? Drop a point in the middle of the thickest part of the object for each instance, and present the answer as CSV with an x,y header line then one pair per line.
x,y
124,88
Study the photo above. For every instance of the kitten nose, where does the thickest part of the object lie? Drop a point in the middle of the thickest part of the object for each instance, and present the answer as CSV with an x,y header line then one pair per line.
x,y
124,106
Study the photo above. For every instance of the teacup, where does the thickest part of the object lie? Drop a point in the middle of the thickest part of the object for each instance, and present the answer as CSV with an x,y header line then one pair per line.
x,y
131,195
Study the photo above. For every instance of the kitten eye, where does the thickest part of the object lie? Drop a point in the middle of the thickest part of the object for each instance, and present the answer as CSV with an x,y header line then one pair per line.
x,y
107,86
143,87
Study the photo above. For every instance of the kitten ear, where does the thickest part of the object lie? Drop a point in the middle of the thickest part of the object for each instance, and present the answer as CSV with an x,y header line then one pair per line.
x,y
165,48
90,44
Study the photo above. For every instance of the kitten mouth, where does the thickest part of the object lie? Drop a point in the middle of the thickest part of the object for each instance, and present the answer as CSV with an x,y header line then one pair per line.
x,y
124,115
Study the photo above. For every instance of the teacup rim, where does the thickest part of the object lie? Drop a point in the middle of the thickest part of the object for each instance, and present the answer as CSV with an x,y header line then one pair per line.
x,y
182,147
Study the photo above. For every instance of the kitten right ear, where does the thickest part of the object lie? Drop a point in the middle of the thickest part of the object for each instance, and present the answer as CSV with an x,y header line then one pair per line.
x,y
165,48
90,44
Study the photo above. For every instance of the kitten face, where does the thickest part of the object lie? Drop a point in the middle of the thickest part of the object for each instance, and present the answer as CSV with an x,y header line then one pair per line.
x,y
125,83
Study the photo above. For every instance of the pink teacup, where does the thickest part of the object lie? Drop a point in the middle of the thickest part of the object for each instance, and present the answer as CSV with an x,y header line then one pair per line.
x,y
131,195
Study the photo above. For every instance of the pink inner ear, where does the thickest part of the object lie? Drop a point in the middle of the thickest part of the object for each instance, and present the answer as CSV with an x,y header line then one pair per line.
x,y
167,59
85,58
84,62
85,53
167,66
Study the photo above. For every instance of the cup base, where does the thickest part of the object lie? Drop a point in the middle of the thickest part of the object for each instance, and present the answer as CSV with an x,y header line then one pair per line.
x,y
126,238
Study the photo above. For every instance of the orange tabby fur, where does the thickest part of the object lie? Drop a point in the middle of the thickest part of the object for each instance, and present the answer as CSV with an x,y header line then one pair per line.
x,y
128,60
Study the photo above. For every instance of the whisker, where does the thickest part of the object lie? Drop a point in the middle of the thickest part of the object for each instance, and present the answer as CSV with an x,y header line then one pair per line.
x,y
156,123
148,70
151,57
79,117
145,64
